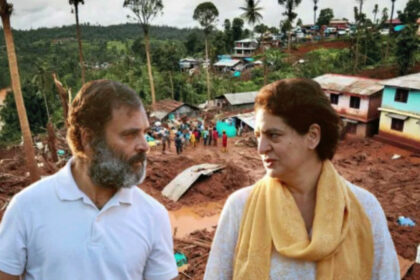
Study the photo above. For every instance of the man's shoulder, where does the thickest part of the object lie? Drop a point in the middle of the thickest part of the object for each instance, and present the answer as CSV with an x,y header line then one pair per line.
x,y
142,199
37,190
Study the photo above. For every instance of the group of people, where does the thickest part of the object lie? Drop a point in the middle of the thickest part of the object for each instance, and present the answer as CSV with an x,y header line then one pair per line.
x,y
188,135
302,220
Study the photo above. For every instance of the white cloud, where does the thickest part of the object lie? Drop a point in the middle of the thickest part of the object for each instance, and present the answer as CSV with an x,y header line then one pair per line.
x,y
49,13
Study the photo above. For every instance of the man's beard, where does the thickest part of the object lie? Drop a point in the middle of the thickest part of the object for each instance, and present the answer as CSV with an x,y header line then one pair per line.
x,y
111,169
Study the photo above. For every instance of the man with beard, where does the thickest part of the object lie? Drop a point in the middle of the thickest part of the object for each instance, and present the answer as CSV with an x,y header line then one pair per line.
x,y
89,220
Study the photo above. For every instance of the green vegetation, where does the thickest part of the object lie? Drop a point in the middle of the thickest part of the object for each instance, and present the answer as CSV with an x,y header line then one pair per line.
x,y
118,53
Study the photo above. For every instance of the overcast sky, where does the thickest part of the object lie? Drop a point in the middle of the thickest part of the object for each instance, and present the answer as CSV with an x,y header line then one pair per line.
x,y
48,13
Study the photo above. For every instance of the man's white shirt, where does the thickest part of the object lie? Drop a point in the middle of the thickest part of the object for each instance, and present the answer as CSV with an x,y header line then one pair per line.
x,y
52,230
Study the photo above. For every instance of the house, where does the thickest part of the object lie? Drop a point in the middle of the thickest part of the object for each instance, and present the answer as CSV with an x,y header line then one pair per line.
x,y
356,100
339,24
234,101
418,30
246,120
400,112
394,22
245,48
188,63
169,109
227,64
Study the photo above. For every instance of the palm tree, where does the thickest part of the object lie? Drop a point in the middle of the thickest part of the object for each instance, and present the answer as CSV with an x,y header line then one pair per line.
x,y
360,5
290,5
145,11
315,9
375,12
5,12
206,14
76,3
392,15
252,13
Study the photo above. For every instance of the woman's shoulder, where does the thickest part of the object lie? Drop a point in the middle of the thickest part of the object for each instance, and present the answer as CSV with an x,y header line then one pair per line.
x,y
237,199
368,201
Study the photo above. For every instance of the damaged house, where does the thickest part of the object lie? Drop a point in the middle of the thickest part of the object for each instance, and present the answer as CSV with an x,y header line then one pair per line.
x,y
400,112
356,100
171,109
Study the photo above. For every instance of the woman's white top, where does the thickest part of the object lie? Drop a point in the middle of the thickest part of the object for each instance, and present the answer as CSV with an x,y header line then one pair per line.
x,y
220,262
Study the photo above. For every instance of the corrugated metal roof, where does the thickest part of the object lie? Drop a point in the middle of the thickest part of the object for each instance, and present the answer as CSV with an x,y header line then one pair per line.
x,y
409,81
167,105
349,84
164,107
227,62
247,41
241,98
248,118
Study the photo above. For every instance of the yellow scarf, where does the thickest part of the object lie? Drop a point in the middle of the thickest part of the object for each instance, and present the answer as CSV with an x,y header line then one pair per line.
x,y
341,243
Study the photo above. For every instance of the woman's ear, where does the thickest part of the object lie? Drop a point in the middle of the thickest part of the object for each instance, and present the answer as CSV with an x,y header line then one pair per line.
x,y
313,137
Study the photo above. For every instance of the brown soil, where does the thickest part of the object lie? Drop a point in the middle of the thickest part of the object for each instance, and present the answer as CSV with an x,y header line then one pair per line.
x,y
365,162
386,72
310,46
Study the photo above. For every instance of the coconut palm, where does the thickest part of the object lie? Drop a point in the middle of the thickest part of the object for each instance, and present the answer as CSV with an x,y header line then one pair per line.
x,y
392,15
76,3
145,11
315,9
206,14
375,12
5,12
290,5
252,13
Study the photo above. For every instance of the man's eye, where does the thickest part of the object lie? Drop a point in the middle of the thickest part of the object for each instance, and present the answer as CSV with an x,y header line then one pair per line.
x,y
274,135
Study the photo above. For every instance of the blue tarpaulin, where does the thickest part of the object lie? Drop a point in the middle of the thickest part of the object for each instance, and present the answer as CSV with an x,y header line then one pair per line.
x,y
237,74
228,127
399,28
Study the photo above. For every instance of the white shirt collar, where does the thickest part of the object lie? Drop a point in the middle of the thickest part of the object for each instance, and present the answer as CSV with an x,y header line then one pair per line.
x,y
67,188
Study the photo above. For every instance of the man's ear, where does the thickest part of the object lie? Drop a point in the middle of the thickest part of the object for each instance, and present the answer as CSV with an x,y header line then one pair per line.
x,y
313,137
86,137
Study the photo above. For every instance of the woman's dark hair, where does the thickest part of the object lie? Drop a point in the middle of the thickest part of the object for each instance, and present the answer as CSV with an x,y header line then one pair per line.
x,y
301,103
92,109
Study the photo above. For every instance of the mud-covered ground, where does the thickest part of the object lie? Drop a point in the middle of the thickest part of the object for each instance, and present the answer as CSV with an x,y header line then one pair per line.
x,y
365,162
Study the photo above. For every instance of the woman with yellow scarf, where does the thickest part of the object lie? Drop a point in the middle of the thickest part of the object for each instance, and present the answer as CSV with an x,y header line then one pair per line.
x,y
302,220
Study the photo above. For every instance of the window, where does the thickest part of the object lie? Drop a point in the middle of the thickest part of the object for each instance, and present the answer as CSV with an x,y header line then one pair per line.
x,y
401,95
334,98
397,124
355,102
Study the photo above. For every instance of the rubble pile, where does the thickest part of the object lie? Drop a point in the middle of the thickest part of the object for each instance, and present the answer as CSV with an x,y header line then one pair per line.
x,y
161,169
196,247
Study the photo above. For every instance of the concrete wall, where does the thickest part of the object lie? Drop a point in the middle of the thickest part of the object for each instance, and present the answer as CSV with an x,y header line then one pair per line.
x,y
365,129
374,104
343,107
411,130
412,105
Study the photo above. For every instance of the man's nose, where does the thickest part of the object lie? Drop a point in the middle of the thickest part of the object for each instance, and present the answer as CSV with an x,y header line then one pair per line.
x,y
142,145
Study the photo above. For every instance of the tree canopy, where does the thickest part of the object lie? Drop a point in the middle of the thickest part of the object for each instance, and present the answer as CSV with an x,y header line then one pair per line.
x,y
206,14
325,16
